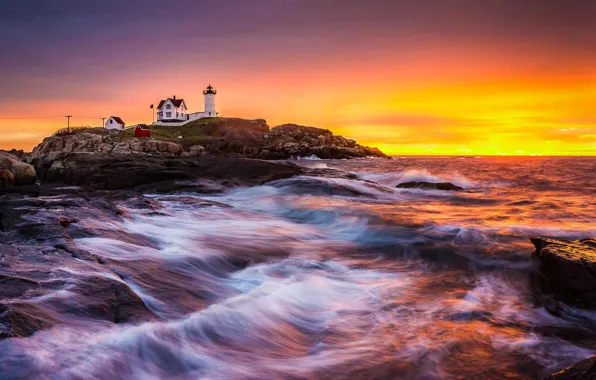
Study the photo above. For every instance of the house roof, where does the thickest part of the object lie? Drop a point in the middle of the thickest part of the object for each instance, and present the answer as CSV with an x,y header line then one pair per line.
x,y
176,102
117,119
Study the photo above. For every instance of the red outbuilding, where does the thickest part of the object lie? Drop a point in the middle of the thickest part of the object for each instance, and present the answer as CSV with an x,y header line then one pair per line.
x,y
142,131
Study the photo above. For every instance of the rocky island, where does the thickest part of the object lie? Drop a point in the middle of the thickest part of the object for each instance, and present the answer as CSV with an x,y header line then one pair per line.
x,y
214,148
231,137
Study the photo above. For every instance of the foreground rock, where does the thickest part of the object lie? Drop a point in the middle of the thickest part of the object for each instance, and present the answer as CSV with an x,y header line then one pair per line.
x,y
123,171
584,370
45,279
22,173
569,268
446,186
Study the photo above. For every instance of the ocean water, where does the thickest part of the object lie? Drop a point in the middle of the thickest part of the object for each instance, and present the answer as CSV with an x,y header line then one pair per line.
x,y
333,277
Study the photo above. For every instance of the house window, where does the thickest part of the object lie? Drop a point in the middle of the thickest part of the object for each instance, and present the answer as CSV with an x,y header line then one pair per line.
x,y
111,121
169,106
209,113
168,114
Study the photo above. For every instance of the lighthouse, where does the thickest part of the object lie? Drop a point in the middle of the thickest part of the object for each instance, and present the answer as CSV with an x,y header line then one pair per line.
x,y
210,93
172,111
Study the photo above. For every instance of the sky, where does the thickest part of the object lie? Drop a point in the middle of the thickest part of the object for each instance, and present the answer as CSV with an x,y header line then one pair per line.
x,y
428,77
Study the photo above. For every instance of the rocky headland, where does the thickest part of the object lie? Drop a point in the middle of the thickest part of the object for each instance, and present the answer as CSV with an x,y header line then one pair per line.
x,y
213,137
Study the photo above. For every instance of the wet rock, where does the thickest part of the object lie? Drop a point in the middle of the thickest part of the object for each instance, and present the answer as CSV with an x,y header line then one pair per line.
x,y
569,269
446,186
331,173
584,370
46,279
121,171
65,222
12,286
22,173
195,202
142,203
23,320
13,210
317,186
108,299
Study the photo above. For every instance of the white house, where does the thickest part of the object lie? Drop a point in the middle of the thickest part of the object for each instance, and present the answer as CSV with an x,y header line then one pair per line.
x,y
114,122
172,110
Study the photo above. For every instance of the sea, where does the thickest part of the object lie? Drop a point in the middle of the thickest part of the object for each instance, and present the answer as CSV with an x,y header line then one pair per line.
x,y
339,276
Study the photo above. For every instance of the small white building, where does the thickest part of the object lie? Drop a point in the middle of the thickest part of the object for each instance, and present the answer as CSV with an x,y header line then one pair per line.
x,y
114,122
172,110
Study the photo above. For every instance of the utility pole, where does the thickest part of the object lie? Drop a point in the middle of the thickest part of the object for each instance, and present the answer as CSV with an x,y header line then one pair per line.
x,y
68,117
103,122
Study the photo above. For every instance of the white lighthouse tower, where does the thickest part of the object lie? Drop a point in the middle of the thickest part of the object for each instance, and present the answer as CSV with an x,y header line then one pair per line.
x,y
210,93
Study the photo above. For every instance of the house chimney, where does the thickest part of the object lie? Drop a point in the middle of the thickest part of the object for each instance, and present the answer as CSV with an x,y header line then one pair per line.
x,y
174,97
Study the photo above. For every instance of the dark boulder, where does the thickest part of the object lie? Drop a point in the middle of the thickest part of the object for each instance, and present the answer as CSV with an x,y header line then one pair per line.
x,y
6,178
569,269
584,370
122,171
22,173
447,186
317,186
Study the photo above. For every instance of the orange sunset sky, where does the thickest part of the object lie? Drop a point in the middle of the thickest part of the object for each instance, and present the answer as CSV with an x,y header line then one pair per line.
x,y
463,77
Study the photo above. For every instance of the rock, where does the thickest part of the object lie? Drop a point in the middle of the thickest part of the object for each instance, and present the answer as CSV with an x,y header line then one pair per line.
x,y
292,140
196,151
121,171
6,178
569,268
317,186
218,137
20,154
23,320
23,173
584,370
447,186
46,279
232,137
98,142
108,299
